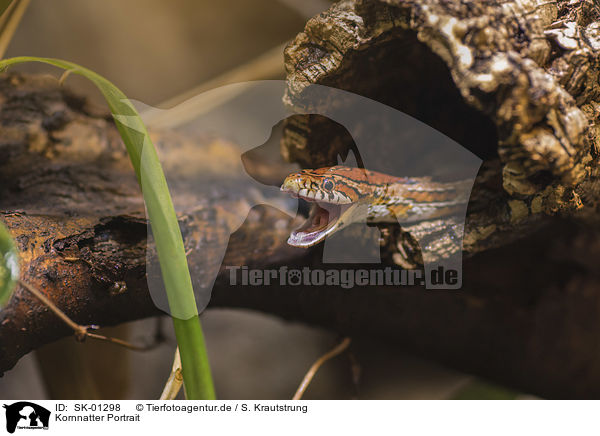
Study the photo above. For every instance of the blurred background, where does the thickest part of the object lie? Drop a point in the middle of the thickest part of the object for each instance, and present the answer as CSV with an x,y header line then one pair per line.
x,y
158,53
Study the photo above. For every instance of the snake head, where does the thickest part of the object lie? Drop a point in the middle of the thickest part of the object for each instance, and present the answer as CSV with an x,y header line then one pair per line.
x,y
334,185
335,193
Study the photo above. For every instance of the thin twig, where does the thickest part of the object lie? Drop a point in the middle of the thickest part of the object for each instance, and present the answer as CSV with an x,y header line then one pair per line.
x,y
175,380
68,321
315,366
81,331
63,77
9,21
121,342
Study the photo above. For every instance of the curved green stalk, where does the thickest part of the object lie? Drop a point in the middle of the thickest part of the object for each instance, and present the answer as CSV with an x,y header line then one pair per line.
x,y
165,228
9,265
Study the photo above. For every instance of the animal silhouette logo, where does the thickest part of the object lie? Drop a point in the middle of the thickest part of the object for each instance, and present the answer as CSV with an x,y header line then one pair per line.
x,y
386,142
26,415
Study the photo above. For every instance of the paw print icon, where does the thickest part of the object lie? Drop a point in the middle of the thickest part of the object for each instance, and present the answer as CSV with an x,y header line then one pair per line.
x,y
294,277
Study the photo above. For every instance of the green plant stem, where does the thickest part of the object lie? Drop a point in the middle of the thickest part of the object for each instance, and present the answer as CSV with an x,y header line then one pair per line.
x,y
9,265
196,386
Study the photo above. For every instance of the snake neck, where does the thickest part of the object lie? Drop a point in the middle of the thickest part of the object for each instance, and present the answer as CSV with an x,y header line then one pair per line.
x,y
416,199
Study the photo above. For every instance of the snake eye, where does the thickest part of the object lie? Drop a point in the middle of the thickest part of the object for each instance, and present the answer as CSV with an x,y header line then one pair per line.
x,y
328,185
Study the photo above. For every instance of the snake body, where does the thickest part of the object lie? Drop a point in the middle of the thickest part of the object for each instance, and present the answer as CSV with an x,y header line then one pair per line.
x,y
343,195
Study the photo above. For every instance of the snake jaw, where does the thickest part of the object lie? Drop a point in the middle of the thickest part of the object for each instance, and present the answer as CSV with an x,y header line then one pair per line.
x,y
325,218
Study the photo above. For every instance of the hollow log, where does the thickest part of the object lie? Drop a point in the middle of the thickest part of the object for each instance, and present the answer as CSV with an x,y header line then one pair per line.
x,y
515,82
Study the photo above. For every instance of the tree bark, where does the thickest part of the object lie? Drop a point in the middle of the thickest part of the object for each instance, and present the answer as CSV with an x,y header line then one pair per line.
x,y
515,82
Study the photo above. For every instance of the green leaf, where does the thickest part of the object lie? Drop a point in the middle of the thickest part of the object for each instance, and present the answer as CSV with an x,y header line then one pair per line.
x,y
165,227
9,265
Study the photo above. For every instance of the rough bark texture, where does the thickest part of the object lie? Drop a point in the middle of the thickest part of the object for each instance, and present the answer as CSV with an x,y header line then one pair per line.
x,y
514,81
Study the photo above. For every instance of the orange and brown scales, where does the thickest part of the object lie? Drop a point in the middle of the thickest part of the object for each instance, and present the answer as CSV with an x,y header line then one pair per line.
x,y
338,184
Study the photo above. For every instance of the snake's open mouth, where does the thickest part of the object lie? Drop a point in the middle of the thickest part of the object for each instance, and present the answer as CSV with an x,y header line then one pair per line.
x,y
324,219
